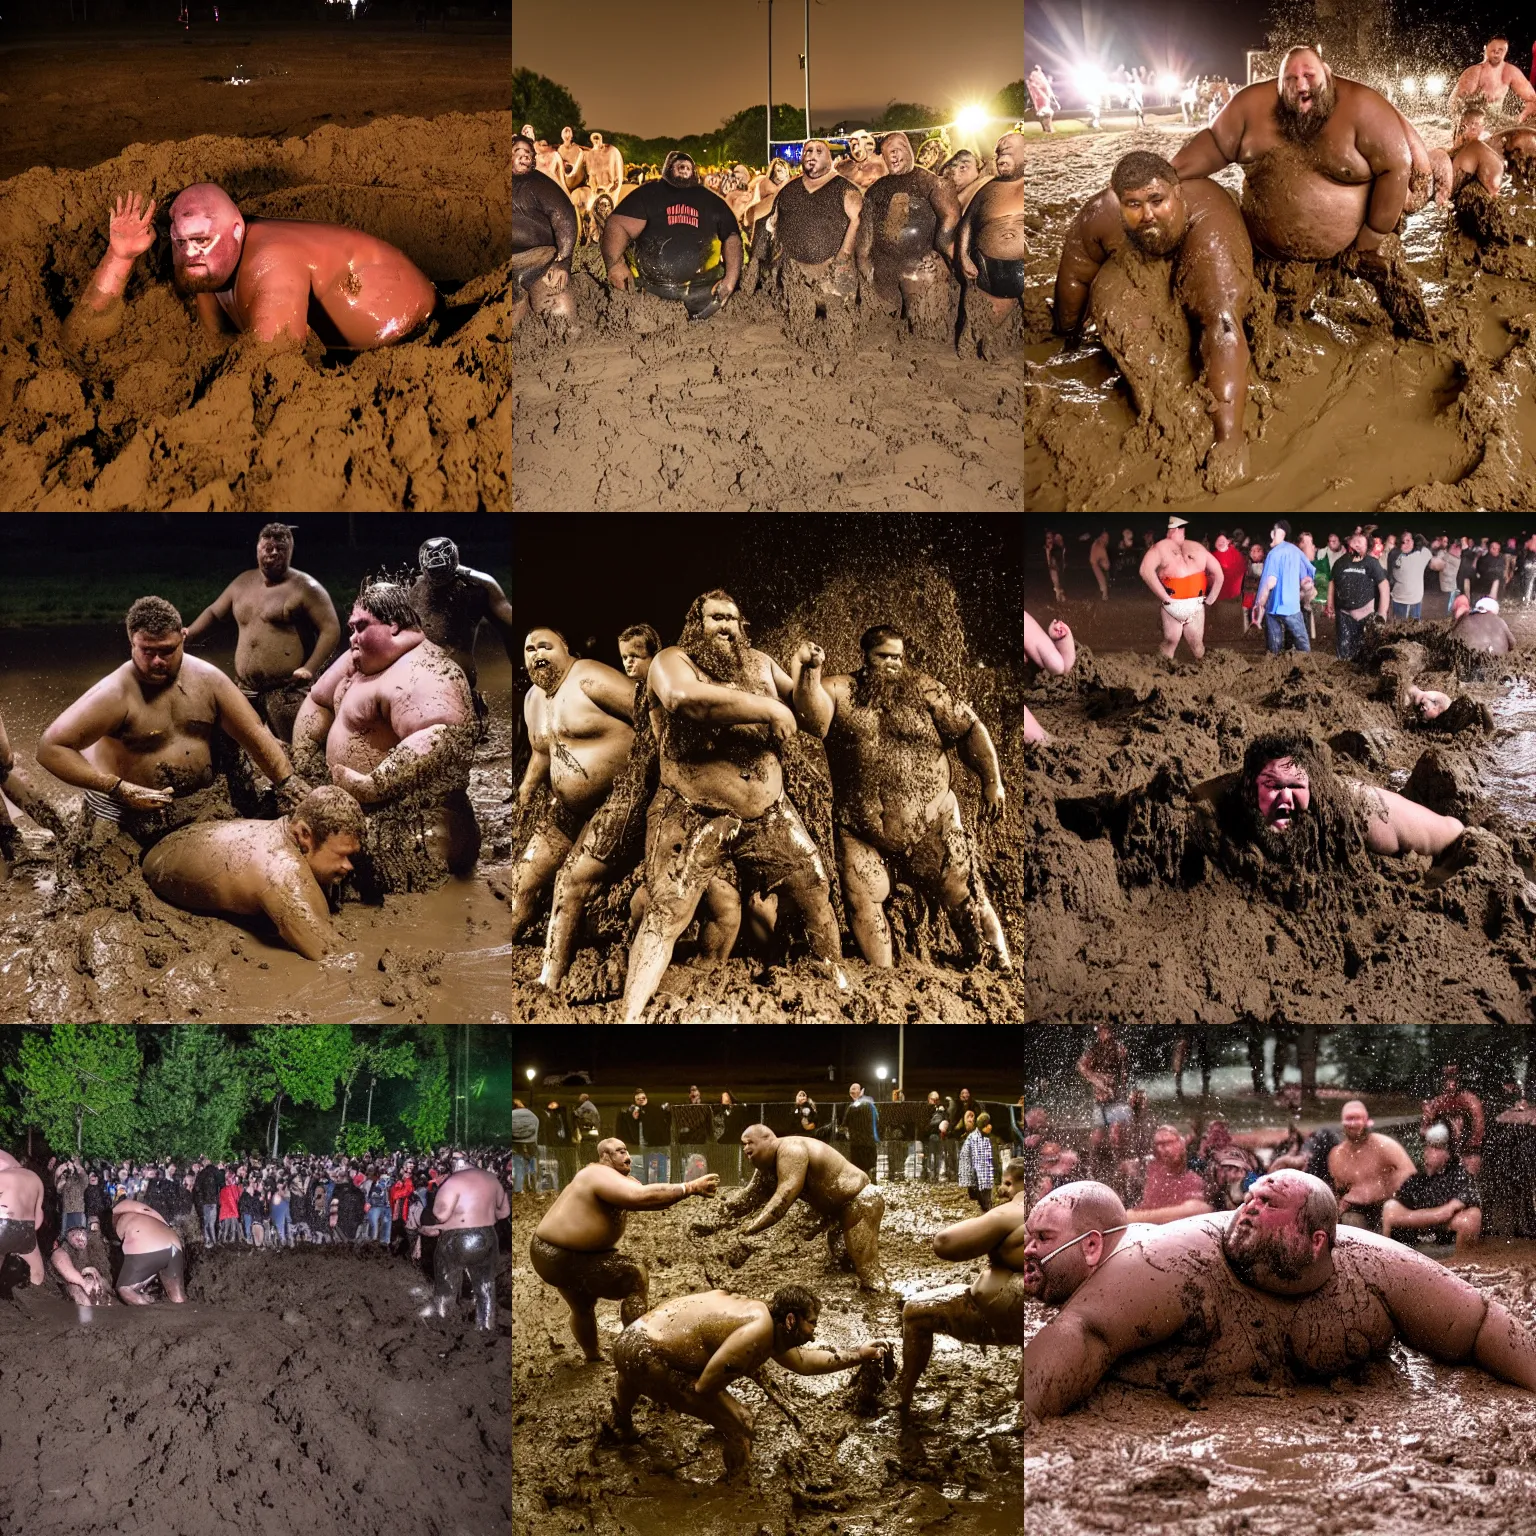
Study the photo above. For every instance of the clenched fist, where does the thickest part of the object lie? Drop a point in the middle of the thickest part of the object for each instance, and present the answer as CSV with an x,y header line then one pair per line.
x,y
810,654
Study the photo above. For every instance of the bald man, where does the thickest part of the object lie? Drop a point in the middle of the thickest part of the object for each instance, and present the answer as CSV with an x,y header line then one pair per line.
x,y
273,278
814,228
575,1247
1271,1290
990,246
906,238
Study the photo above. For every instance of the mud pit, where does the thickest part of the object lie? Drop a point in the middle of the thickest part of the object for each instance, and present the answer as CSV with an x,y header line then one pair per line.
x,y
117,953
1130,924
161,417
647,411
294,1391
852,1470
1405,1445
1341,415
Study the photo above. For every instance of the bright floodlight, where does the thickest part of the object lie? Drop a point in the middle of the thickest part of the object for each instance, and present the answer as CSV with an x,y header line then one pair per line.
x,y
1410,86
1168,84
1091,80
971,120
881,1073
528,1073
1434,85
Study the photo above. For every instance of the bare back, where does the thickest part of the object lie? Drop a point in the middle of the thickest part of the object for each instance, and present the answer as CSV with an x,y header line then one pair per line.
x,y
470,1198
142,1233
689,1329
21,1195
830,1180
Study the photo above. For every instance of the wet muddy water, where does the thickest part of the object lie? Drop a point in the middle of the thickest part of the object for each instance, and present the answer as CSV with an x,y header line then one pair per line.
x,y
433,957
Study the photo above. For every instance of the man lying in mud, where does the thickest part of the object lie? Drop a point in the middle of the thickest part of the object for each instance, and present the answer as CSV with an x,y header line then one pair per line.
x,y
907,240
465,1210
151,1250
720,719
393,723
21,1215
279,869
578,718
543,239
791,1168
1165,213
813,230
82,1266
1053,649
575,1247
1272,1290
274,607
453,601
140,742
990,1310
888,730
272,277
689,1350
1326,167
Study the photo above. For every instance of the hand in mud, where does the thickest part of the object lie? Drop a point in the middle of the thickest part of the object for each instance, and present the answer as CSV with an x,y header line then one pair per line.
x,y
780,721
291,792
356,784
1226,464
1058,630
993,797
131,233
706,1184
618,274
810,655
141,798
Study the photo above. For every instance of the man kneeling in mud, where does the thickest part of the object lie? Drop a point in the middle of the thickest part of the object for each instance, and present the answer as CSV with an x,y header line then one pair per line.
x,y
82,1267
281,868
1272,1290
150,1248
574,1247
393,724
689,1350
988,1311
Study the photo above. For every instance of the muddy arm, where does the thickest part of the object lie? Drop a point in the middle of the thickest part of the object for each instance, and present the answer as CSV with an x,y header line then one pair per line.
x,y
242,724
311,726
853,206
1063,1363
1224,351
754,1195
680,691
1082,254
300,916
977,1236
98,713
791,1181
322,614
216,611
439,755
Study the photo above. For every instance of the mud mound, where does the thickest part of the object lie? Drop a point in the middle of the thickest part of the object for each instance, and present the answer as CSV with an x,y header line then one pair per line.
x,y
295,1391
852,1465
162,417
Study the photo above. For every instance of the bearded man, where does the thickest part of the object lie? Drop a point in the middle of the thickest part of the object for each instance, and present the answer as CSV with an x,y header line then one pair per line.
x,y
720,720
888,728
907,237
1326,168
990,247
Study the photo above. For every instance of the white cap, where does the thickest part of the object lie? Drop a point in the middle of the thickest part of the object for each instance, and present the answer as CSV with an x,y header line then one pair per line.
x,y
1437,1135
1486,605
1177,522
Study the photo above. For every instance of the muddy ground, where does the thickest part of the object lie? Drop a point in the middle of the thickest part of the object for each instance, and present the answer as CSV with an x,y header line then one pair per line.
x,y
1404,1446
296,1391
853,1470
1341,414
1128,924
648,411
162,417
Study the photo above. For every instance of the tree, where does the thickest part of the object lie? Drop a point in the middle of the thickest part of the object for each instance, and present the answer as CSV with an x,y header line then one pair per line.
x,y
360,1140
300,1063
427,1118
192,1100
907,114
372,1059
546,104
1011,100
77,1085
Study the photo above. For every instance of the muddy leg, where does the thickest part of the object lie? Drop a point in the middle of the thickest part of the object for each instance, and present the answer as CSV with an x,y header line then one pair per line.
x,y
651,953
627,1392
861,1232
583,1322
541,858
575,885
717,935
1397,289
866,885
948,1310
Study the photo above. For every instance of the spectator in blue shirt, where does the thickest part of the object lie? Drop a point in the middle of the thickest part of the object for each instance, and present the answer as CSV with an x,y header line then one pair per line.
x,y
1287,571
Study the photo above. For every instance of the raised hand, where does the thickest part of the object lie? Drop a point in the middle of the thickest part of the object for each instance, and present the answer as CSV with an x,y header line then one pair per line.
x,y
131,233
810,654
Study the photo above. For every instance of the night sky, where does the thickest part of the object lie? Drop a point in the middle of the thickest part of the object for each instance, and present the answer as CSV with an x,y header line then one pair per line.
x,y
680,66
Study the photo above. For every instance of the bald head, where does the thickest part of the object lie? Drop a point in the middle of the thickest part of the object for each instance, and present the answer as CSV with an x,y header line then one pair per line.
x,y
1088,1206
7,1161
1067,1235
1010,157
896,151
614,1153
206,237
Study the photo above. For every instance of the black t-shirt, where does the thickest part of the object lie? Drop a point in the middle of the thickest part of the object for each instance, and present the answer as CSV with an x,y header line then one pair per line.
x,y
1425,1191
680,223
1490,568
1355,582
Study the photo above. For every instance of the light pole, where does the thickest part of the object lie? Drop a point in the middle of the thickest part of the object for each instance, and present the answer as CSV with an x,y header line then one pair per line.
x,y
807,68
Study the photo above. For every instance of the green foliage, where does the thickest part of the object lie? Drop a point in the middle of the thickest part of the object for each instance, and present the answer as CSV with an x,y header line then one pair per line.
x,y
546,104
427,1118
1011,100
76,1085
360,1140
738,138
906,114
192,1100
300,1063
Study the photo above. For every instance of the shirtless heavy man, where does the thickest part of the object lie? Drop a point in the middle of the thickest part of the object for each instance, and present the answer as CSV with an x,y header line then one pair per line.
x,y
1481,629
1491,79
547,161
140,742
575,1247
570,151
689,1350
393,722
791,1168
863,167
465,1210
990,1310
1194,224
543,239
720,719
150,1248
907,239
83,1267
814,228
990,246
366,293
578,719
21,1215
1326,164
888,729
453,601
1186,578
1366,1169
281,869
274,607
1055,651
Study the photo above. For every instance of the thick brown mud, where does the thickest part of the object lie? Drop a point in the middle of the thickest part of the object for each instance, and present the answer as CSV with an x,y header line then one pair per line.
x,y
851,1469
295,1391
1405,1445
1131,922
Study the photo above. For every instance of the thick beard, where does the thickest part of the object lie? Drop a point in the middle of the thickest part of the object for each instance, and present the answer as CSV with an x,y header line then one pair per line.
x,y
723,665
875,691
1302,127
1265,1256
1285,847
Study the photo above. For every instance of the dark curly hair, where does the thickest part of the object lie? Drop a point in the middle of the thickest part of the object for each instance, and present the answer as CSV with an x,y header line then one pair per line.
x,y
792,1298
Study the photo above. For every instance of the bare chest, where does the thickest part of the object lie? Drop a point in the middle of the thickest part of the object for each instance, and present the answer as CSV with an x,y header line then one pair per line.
x,y
278,607
363,701
156,722
871,732
1267,153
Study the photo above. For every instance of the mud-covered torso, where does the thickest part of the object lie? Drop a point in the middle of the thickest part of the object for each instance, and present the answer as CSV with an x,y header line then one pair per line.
x,y
722,767
586,745
364,731
270,619
831,1181
581,1220
541,213
903,217
999,220
165,740
688,1330
811,225
20,1190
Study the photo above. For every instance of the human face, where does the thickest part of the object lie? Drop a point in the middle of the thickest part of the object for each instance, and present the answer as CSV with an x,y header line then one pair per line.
x,y
897,153
1055,1263
641,1100
722,622
887,658
635,659
1168,1148
1285,792
1407,543
816,161
1436,1156
861,146
801,1330
370,640
157,658
1494,53
1356,1121
522,158
684,172
331,862
566,135
855,1089
1265,1229
1222,543
205,251
597,141
1154,217
758,1148
272,557
1009,157
1307,97
778,173
616,1155
1333,543
1357,543
962,171
800,1096
545,655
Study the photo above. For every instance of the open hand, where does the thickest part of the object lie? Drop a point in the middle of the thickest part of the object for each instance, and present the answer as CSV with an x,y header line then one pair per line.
x,y
993,798
706,1184
140,797
131,233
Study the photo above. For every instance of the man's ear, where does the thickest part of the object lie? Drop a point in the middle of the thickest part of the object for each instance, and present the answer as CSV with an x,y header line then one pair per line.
x,y
304,837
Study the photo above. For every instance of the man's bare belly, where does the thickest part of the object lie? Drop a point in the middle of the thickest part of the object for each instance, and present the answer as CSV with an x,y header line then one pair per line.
x,y
744,789
582,769
182,764
267,652
1296,213
1003,238
895,811
583,1224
